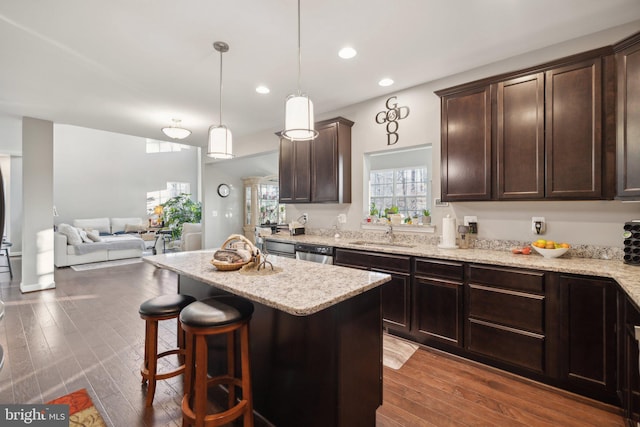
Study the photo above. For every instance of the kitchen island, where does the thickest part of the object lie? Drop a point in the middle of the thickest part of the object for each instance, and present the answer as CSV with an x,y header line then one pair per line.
x,y
316,335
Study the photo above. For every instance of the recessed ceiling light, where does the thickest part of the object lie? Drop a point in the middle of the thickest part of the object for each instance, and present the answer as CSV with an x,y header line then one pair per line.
x,y
385,82
262,90
347,53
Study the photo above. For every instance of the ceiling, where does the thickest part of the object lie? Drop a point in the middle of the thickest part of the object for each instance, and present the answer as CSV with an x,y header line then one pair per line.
x,y
132,66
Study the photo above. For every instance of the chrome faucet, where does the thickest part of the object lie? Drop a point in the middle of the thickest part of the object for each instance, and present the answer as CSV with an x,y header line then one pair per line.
x,y
389,233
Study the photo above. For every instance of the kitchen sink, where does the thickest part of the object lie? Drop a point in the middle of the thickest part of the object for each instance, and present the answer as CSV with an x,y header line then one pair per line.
x,y
384,244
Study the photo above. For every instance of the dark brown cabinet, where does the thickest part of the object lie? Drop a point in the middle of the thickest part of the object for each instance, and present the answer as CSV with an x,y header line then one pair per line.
x,y
520,137
294,171
531,135
505,316
573,131
396,294
588,335
628,118
465,165
630,372
317,171
438,293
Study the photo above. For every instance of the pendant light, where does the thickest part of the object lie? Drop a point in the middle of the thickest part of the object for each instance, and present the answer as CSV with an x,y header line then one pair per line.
x,y
298,108
175,131
220,141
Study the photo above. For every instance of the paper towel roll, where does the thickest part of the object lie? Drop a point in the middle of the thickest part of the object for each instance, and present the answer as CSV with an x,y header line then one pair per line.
x,y
448,232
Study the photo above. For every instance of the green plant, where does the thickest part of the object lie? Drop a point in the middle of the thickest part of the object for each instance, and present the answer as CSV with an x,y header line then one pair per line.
x,y
425,212
373,210
178,210
392,210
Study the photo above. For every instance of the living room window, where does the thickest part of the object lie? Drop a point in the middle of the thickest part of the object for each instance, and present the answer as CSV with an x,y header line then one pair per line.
x,y
155,198
155,146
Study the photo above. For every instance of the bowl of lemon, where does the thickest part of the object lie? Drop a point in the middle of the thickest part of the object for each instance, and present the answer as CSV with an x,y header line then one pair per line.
x,y
549,248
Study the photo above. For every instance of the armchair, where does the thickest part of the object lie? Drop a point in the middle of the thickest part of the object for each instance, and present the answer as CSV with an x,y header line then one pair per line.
x,y
191,238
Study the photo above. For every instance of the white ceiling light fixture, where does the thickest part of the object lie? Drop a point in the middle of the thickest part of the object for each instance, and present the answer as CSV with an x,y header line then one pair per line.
x,y
347,52
298,108
385,82
263,90
175,131
220,140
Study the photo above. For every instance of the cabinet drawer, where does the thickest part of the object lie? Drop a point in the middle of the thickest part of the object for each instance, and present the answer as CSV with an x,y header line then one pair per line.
x,y
388,262
510,308
519,348
518,280
439,269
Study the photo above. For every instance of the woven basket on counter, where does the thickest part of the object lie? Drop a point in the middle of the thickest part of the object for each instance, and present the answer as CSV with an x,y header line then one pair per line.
x,y
236,241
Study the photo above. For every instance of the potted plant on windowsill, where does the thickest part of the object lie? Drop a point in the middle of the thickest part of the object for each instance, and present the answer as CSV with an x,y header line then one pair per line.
x,y
426,217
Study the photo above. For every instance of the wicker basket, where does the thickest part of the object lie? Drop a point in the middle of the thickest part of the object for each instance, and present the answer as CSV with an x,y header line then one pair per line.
x,y
235,241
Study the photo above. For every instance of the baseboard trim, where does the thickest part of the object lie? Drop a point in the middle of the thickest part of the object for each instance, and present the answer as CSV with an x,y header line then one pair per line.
x,y
36,287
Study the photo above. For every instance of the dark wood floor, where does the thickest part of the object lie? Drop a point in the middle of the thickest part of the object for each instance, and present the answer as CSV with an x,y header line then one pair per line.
x,y
87,334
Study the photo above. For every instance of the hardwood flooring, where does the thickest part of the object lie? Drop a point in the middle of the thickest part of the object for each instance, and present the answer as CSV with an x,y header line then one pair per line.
x,y
87,333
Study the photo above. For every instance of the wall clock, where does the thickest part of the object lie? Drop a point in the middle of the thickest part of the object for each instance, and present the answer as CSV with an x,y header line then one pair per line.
x,y
223,190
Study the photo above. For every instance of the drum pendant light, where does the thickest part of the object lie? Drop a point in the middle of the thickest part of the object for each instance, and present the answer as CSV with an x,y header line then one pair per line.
x,y
298,108
220,140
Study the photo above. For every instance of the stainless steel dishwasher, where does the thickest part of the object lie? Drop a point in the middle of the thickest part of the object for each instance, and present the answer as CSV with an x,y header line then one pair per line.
x,y
315,253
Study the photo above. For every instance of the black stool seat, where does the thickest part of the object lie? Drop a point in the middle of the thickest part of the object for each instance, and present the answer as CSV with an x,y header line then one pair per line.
x,y
217,311
222,315
165,305
153,310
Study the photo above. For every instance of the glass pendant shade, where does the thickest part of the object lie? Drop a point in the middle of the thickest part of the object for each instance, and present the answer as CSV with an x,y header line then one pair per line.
x,y
298,118
220,142
175,131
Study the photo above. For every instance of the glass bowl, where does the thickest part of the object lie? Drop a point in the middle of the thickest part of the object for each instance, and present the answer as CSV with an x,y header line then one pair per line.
x,y
550,253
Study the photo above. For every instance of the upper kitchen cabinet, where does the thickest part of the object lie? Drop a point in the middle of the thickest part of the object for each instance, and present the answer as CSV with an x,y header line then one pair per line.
x,y
628,118
318,171
466,145
531,135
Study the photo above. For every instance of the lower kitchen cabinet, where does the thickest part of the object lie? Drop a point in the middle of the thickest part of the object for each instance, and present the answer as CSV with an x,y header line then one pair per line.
x,y
505,316
437,302
396,294
588,335
630,370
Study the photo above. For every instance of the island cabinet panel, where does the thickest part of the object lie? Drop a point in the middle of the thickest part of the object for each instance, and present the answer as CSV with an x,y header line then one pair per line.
x,y
396,294
437,302
589,336
573,137
317,171
294,173
520,138
505,316
466,145
628,119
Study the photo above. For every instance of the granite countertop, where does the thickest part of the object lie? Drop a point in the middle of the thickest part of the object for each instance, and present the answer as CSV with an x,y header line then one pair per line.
x,y
627,276
301,288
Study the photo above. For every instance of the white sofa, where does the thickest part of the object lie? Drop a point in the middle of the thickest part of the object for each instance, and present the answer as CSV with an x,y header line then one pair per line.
x,y
119,240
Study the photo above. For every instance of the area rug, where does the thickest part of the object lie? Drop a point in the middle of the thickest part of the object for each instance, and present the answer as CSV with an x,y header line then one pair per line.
x,y
395,352
105,264
82,411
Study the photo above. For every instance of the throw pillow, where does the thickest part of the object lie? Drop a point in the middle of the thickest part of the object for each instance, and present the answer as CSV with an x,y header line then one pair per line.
x,y
73,237
94,236
134,228
83,236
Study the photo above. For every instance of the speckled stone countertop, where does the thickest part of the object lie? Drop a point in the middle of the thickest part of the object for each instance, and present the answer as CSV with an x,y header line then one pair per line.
x,y
301,288
627,276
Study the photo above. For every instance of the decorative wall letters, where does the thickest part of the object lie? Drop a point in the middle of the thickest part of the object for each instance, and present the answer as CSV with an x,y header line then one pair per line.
x,y
390,116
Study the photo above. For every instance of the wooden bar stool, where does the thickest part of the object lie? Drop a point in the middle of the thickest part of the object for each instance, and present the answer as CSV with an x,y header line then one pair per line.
x,y
152,311
216,316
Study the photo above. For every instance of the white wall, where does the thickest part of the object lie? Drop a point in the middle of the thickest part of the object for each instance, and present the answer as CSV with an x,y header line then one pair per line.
x,y
597,222
105,174
11,149
223,216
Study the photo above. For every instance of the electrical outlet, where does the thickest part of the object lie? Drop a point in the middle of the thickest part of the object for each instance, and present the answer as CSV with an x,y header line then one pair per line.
x,y
538,225
440,203
305,217
472,223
